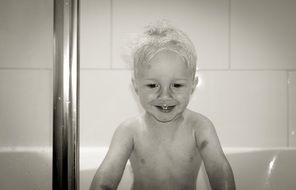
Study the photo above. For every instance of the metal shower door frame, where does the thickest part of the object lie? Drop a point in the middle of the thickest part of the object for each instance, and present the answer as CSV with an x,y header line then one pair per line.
x,y
65,164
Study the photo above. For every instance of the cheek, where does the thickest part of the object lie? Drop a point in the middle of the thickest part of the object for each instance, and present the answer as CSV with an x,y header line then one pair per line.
x,y
186,92
146,92
183,97
146,97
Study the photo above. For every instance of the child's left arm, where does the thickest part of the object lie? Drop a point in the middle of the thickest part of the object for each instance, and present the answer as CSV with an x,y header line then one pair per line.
x,y
217,166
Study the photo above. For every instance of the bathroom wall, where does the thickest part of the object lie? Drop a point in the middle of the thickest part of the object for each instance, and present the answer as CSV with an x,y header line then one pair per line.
x,y
246,60
26,60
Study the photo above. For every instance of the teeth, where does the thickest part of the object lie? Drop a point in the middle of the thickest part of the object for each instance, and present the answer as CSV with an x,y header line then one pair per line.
x,y
165,107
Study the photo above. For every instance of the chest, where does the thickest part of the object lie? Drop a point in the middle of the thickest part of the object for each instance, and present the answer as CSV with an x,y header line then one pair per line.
x,y
166,149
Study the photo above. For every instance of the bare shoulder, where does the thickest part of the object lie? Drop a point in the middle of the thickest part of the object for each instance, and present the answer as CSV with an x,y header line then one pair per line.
x,y
129,126
203,128
122,142
199,122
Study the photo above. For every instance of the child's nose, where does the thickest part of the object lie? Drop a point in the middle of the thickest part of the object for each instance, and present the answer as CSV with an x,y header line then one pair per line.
x,y
165,93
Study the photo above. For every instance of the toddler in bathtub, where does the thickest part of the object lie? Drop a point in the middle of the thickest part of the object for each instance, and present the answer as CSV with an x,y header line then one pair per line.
x,y
167,144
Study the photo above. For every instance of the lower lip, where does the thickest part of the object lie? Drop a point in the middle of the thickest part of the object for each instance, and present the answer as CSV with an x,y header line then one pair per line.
x,y
165,110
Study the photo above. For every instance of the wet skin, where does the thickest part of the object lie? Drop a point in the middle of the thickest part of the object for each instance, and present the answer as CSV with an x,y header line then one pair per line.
x,y
165,157
166,82
166,144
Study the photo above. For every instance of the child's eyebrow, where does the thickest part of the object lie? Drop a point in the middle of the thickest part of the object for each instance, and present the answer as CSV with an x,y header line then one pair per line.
x,y
181,79
149,80
175,80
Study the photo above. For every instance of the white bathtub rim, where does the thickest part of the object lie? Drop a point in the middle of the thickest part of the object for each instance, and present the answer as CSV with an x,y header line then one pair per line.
x,y
237,150
25,149
227,150
91,157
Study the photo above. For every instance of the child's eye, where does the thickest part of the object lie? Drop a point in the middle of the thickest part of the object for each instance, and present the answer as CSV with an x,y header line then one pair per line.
x,y
152,85
177,85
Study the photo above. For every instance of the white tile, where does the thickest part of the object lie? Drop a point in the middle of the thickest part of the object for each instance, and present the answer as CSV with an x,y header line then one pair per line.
x,y
107,99
95,37
26,34
25,111
248,108
292,108
205,22
263,34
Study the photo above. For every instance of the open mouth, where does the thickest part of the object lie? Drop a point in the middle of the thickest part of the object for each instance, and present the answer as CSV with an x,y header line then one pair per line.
x,y
165,108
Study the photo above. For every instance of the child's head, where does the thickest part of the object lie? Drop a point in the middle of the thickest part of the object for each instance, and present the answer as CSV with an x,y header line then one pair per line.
x,y
164,72
163,37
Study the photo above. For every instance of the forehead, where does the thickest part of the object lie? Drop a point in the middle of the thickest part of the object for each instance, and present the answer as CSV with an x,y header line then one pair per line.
x,y
166,63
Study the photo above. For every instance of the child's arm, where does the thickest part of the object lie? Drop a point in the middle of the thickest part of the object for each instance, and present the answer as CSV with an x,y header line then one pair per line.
x,y
217,166
110,171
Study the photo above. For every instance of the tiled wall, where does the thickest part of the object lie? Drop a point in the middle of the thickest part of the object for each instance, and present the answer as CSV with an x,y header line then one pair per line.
x,y
26,59
246,60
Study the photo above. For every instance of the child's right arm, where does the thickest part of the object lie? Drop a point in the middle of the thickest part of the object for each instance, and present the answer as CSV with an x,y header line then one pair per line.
x,y
110,171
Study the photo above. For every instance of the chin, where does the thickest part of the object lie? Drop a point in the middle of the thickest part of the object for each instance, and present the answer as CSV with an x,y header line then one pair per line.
x,y
166,118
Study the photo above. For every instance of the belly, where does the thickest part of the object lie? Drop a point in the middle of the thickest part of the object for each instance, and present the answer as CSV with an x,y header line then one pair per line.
x,y
165,180
168,185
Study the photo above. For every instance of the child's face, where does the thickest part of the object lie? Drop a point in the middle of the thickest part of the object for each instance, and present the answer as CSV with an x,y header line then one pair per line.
x,y
164,86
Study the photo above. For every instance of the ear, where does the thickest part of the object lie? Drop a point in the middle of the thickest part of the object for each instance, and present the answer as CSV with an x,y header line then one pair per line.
x,y
195,82
135,85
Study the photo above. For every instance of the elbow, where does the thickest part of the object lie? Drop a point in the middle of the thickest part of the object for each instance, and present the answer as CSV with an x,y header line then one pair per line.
x,y
223,178
227,170
103,183
101,186
228,177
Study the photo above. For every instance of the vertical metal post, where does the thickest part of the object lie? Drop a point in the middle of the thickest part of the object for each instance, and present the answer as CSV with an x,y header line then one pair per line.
x,y
65,172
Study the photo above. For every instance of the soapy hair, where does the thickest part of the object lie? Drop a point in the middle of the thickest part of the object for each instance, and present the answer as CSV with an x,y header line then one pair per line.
x,y
163,37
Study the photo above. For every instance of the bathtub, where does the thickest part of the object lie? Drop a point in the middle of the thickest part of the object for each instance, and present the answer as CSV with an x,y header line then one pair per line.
x,y
24,168
264,169
254,169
